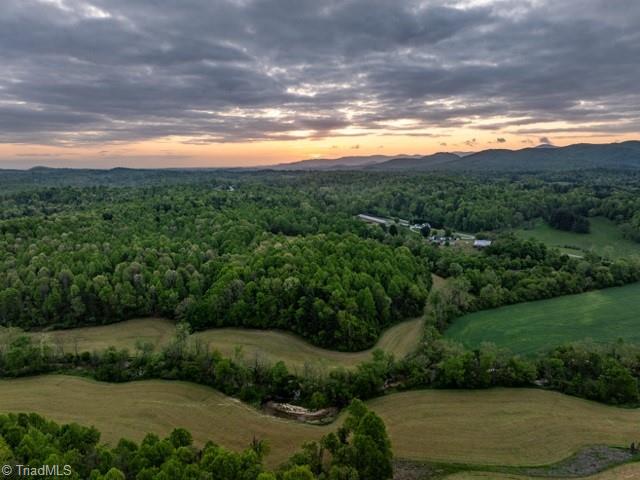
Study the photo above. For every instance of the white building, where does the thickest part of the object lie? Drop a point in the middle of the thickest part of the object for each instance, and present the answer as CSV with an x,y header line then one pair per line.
x,y
482,243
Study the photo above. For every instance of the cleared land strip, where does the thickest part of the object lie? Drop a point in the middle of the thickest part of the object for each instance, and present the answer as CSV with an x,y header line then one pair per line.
x,y
602,316
495,427
267,345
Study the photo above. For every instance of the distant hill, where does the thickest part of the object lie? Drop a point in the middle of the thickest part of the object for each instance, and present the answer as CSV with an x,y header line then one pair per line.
x,y
429,162
337,163
625,155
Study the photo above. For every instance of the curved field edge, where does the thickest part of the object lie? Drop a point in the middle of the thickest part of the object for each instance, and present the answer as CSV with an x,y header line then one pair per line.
x,y
264,345
502,427
630,471
526,328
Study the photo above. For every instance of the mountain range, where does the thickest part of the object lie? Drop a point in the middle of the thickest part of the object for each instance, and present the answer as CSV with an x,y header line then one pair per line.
x,y
624,155
339,163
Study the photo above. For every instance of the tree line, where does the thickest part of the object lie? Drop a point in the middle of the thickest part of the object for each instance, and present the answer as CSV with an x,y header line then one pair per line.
x,y
608,374
513,270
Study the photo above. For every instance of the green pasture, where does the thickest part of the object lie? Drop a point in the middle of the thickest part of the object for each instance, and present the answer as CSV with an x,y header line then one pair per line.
x,y
603,316
604,239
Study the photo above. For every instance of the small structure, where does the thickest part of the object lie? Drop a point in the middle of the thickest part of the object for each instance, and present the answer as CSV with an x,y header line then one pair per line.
x,y
442,240
482,243
372,219
417,227
300,414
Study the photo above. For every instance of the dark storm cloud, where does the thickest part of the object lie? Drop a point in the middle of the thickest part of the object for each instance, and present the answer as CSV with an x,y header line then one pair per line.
x,y
214,70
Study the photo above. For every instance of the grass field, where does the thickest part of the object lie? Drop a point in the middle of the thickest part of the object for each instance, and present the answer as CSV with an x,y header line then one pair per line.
x,y
132,409
604,239
625,472
121,335
494,427
265,345
602,315
272,346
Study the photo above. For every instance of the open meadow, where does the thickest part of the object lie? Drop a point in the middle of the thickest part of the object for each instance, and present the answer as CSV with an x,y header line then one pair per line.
x,y
265,345
605,238
296,353
504,426
603,316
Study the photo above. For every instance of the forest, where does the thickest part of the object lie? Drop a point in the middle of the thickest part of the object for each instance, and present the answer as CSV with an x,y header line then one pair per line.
x,y
268,250
286,251
201,254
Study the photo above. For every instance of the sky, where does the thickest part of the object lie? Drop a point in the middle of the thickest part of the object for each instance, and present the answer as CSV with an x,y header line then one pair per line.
x,y
206,83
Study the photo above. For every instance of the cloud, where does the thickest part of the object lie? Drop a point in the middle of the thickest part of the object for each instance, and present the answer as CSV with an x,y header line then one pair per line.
x,y
501,140
95,71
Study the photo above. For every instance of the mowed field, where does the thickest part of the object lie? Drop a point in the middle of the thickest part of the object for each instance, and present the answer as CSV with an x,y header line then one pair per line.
x,y
130,410
625,472
525,328
604,239
494,427
265,345
271,346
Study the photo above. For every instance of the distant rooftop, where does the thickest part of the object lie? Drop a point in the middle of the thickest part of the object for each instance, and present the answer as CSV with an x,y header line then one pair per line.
x,y
373,219
482,243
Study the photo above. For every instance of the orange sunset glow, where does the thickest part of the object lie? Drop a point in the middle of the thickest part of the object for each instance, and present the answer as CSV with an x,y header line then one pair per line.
x,y
173,153
105,83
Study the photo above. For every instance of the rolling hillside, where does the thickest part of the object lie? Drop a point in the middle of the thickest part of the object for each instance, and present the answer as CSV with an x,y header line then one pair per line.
x,y
581,156
416,164
504,426
625,155
341,163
